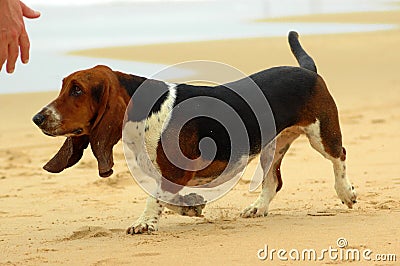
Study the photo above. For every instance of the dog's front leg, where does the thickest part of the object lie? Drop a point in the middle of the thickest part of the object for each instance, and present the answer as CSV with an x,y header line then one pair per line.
x,y
148,221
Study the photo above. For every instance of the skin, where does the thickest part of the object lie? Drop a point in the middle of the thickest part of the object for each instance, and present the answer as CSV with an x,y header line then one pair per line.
x,y
13,36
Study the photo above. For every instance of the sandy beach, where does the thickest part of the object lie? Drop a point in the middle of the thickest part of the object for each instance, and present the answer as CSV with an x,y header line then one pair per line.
x,y
76,218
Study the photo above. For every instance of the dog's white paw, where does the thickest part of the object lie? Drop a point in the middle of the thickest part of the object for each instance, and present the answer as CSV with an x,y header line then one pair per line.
x,y
257,209
347,194
143,225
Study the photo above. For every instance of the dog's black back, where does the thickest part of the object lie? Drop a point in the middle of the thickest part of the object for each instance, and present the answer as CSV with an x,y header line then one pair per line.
x,y
286,90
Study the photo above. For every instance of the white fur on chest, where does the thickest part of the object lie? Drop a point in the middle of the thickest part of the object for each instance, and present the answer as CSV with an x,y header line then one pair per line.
x,y
142,137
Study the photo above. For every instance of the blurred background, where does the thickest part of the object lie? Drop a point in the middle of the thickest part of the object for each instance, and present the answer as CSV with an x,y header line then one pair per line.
x,y
70,25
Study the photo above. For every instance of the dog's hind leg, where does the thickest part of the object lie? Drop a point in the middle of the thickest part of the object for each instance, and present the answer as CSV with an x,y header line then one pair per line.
x,y
325,137
272,181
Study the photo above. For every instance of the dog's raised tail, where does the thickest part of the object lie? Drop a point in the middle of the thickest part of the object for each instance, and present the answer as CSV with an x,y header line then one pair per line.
x,y
305,61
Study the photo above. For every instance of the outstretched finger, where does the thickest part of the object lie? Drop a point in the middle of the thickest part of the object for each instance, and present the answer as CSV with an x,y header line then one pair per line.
x,y
12,56
24,46
28,12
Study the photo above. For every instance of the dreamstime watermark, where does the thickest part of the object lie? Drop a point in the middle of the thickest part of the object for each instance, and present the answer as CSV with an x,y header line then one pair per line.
x,y
340,252
192,127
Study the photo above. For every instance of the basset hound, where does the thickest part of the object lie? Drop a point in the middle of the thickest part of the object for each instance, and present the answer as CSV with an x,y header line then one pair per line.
x,y
95,104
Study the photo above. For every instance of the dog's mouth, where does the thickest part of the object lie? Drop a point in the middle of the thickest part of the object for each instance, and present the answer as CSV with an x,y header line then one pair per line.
x,y
48,133
54,133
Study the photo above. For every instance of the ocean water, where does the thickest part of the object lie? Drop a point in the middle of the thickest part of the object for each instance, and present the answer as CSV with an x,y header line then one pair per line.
x,y
67,25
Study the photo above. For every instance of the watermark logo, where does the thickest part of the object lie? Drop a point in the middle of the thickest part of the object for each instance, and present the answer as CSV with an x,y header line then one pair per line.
x,y
341,242
191,128
340,252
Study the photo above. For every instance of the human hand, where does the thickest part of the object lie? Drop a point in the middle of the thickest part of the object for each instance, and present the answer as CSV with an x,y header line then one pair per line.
x,y
13,35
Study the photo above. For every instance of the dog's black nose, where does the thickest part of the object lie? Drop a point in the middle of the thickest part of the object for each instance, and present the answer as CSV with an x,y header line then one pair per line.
x,y
38,119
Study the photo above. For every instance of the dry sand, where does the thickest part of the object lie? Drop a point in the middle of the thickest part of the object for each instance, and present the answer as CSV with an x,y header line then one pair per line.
x,y
76,218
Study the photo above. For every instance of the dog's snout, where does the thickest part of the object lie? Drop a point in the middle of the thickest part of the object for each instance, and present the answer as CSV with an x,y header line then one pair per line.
x,y
38,119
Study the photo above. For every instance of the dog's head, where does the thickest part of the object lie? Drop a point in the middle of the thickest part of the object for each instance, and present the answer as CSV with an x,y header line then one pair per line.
x,y
89,109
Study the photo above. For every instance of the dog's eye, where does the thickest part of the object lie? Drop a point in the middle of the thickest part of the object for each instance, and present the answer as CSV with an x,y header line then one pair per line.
x,y
76,91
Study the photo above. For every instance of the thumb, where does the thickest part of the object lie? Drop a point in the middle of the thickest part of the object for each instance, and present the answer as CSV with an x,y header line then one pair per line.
x,y
28,12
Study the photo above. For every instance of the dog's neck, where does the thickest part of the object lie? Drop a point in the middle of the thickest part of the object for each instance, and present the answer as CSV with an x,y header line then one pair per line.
x,y
130,82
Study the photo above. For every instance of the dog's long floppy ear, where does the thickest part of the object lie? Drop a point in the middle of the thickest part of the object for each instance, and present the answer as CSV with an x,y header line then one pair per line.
x,y
107,128
68,155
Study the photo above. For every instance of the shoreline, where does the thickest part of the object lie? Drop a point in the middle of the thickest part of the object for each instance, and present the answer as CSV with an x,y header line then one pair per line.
x,y
125,52
377,17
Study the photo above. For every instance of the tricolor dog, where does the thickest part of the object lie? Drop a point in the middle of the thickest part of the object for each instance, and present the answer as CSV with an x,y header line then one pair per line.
x,y
92,104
